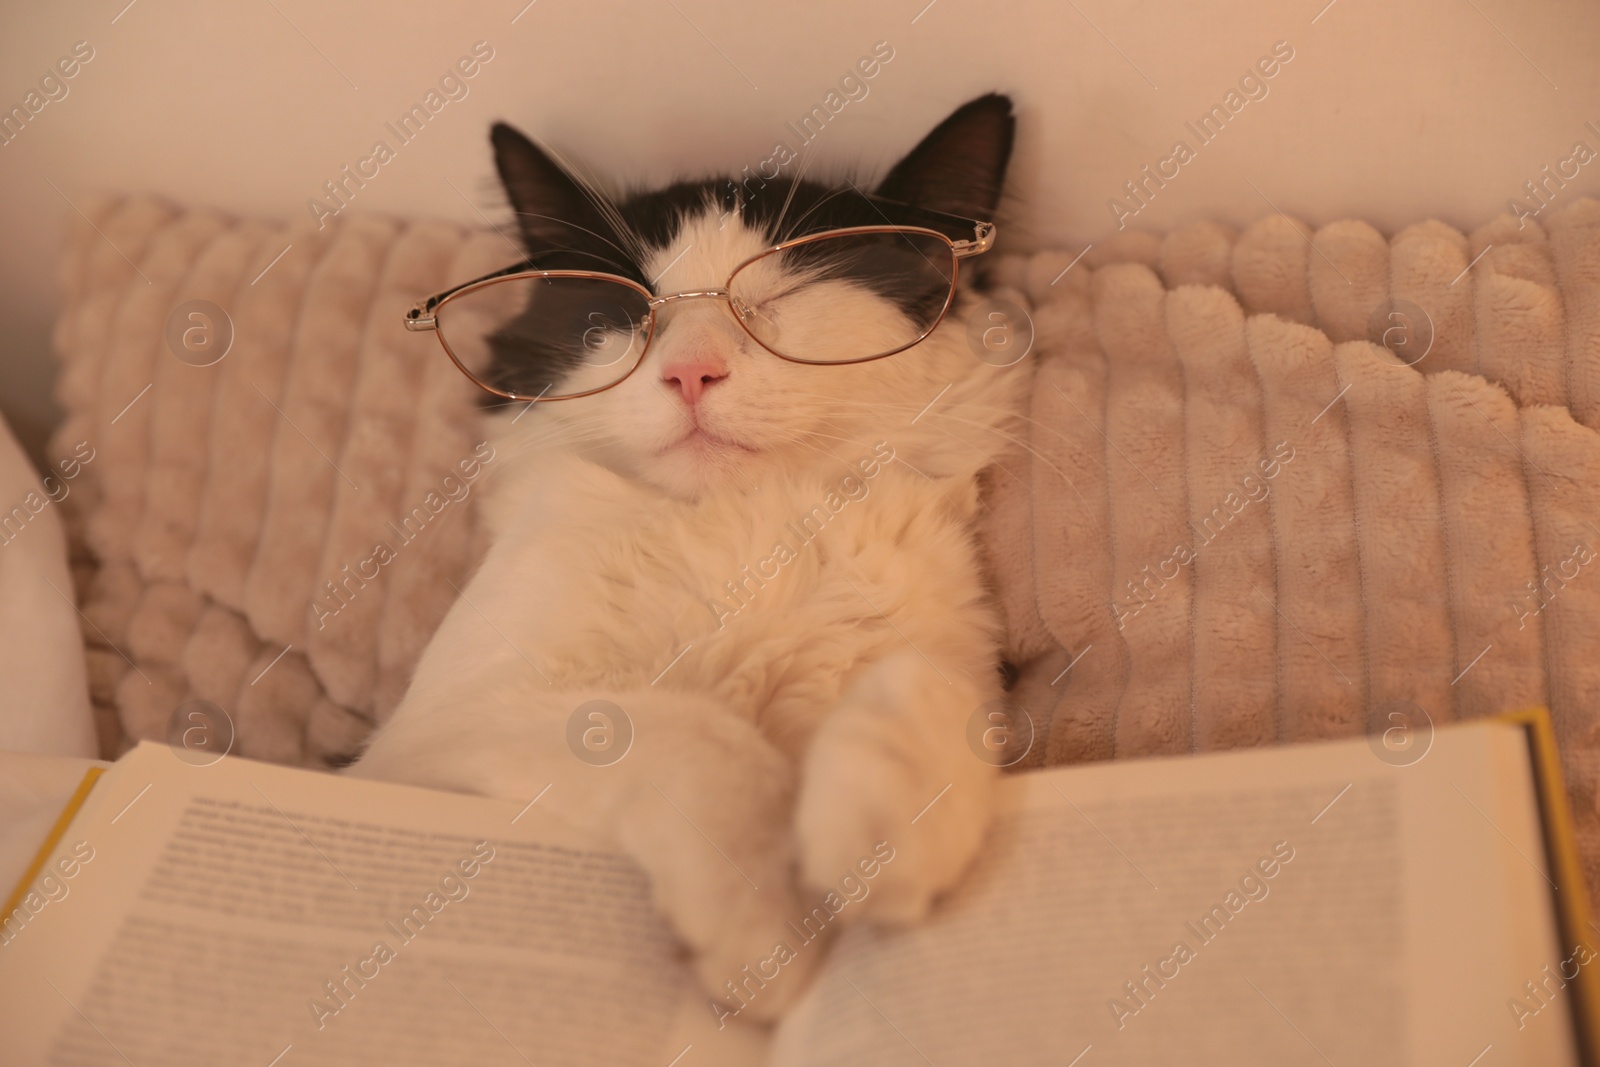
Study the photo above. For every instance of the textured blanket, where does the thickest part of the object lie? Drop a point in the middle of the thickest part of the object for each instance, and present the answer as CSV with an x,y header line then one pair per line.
x,y
1238,520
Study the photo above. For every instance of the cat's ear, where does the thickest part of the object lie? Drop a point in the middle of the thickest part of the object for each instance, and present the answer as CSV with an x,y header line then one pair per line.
x,y
960,167
554,210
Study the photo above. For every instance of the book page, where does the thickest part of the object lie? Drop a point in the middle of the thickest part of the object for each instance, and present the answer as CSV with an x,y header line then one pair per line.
x,y
252,914
1308,905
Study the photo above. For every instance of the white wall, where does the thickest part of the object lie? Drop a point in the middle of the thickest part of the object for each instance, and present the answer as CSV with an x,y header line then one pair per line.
x,y
1390,112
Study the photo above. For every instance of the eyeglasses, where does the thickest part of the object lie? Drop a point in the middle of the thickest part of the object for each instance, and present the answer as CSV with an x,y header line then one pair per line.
x,y
561,334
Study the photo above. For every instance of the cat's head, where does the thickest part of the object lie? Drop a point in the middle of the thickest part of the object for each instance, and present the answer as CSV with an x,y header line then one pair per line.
x,y
708,406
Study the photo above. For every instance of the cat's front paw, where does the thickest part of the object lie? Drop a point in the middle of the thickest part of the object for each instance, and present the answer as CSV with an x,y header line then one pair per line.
x,y
760,959
714,832
885,824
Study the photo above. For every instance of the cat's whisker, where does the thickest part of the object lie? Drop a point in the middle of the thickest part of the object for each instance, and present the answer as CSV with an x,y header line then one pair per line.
x,y
875,408
814,208
1023,444
1009,416
575,226
589,186
844,463
806,158
567,433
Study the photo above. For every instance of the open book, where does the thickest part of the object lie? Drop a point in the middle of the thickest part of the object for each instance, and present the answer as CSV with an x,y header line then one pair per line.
x,y
1306,905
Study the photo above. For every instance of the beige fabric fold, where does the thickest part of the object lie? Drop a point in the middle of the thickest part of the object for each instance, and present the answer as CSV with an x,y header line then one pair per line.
x,y
1406,576
1491,545
1070,497
307,439
1144,430
1229,531
387,391
1318,602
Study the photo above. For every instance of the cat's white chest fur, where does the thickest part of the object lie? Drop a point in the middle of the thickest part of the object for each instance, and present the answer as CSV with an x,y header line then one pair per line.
x,y
768,596
797,660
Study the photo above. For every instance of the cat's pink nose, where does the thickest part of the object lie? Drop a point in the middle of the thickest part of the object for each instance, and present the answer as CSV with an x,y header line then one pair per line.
x,y
693,375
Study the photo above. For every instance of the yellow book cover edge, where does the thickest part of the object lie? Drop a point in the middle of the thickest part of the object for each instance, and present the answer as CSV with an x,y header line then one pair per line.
x,y
57,832
1561,852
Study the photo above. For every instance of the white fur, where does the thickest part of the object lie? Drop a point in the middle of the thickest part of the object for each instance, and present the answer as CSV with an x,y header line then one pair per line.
x,y
792,735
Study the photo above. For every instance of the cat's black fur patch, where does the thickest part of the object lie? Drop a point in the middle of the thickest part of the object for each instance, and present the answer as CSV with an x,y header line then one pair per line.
x,y
958,168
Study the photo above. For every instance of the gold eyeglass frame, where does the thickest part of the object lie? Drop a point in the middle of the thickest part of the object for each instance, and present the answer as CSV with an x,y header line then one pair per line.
x,y
423,316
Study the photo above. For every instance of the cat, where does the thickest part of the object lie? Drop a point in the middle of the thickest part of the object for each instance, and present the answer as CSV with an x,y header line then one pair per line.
x,y
796,718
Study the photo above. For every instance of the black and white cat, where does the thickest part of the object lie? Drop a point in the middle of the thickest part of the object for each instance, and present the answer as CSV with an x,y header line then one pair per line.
x,y
769,567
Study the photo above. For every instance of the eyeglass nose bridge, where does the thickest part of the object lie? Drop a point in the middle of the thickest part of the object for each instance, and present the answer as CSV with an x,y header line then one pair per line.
x,y
740,310
692,294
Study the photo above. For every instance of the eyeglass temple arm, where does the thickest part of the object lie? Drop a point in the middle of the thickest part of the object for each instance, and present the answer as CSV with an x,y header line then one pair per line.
x,y
420,318
984,232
